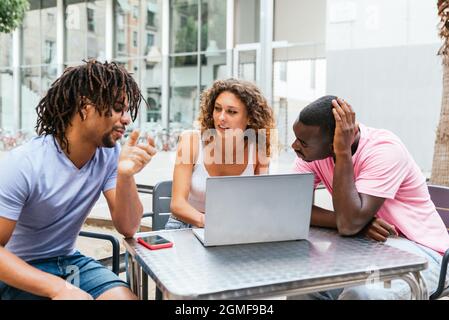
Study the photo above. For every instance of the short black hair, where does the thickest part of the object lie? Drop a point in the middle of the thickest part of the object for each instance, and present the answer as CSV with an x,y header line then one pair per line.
x,y
319,113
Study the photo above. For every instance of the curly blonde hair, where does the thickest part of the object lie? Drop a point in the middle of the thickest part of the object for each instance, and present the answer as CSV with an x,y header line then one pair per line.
x,y
260,115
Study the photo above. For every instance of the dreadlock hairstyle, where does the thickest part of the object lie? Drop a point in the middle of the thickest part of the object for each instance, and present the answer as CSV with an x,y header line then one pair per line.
x,y
103,85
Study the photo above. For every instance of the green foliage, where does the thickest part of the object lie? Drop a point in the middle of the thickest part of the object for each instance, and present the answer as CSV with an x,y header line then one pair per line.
x,y
11,14
187,33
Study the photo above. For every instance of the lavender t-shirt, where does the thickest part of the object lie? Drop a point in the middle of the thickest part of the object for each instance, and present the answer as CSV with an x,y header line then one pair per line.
x,y
49,197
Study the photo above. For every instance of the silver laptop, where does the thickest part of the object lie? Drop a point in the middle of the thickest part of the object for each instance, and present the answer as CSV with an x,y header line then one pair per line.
x,y
250,209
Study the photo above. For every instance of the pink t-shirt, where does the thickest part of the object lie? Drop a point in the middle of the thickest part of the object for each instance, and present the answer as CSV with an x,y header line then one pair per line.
x,y
384,168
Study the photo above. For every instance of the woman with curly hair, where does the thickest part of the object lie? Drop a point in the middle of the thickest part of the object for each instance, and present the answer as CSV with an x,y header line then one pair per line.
x,y
234,139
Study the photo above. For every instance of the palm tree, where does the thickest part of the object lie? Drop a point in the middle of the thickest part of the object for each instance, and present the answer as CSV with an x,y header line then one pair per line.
x,y
440,165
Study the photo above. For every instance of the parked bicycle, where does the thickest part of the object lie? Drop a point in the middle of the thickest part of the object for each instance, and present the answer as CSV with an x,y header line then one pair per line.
x,y
163,140
9,140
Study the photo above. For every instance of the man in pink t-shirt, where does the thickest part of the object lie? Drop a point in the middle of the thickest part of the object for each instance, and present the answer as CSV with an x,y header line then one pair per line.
x,y
376,187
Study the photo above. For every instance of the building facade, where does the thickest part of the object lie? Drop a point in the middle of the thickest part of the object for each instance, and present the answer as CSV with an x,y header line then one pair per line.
x,y
378,54
174,48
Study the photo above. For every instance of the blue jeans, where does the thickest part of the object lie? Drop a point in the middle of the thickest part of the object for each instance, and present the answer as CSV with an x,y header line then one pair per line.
x,y
399,289
81,271
174,223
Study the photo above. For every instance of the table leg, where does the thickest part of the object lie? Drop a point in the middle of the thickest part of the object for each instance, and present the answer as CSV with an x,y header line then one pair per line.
x,y
135,276
138,279
131,275
158,294
144,286
417,285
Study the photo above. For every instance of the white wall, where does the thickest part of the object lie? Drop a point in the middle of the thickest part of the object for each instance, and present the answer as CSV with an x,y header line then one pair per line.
x,y
381,56
299,21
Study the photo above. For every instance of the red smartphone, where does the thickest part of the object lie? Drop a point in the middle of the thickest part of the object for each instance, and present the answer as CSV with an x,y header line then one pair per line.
x,y
154,242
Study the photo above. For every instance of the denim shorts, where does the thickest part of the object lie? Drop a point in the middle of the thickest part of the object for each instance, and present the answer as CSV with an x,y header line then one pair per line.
x,y
81,271
175,223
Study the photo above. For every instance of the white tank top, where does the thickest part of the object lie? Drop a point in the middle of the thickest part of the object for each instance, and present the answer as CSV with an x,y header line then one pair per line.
x,y
197,195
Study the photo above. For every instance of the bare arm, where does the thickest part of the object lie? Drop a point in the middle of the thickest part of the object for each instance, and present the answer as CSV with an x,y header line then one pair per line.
x,y
262,163
125,206
353,210
377,229
323,218
182,177
17,273
123,201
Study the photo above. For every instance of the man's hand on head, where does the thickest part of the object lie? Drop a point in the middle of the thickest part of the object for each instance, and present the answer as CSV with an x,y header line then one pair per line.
x,y
135,156
345,127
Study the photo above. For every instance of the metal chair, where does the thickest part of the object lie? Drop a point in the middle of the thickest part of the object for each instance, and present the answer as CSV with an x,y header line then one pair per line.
x,y
161,211
440,197
115,259
161,205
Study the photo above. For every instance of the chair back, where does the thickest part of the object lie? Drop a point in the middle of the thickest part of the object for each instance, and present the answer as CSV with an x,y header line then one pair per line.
x,y
440,197
161,204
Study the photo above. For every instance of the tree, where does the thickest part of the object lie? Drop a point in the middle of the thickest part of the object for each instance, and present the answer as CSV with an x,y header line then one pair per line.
x,y
11,14
440,165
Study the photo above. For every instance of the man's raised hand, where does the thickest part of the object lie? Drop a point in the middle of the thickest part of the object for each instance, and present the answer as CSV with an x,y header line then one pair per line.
x,y
135,156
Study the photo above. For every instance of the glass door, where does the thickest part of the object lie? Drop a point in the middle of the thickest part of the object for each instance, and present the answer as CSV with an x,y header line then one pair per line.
x,y
246,62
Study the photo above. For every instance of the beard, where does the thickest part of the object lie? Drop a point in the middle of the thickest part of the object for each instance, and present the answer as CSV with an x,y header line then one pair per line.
x,y
108,141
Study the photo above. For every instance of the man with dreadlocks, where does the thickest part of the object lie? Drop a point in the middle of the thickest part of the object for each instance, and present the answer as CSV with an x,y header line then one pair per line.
x,y
49,185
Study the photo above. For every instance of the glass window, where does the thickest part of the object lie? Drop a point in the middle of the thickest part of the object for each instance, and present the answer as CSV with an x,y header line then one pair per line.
x,y
247,65
184,26
188,75
150,40
127,28
31,95
90,20
213,25
31,35
151,117
85,30
6,100
6,52
154,36
48,31
213,67
150,18
298,79
184,97
135,40
38,68
50,48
